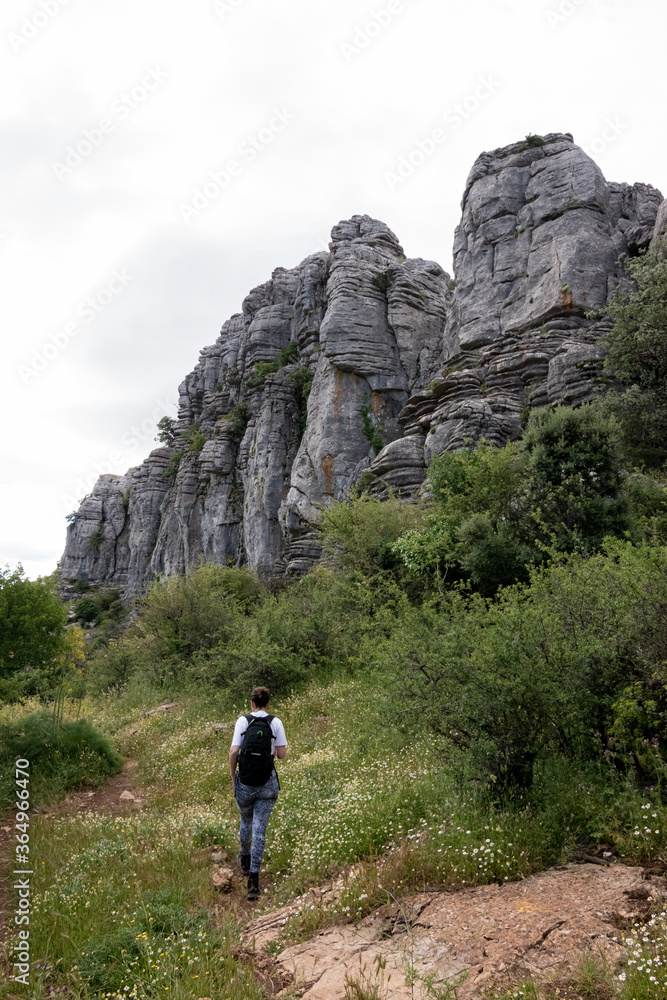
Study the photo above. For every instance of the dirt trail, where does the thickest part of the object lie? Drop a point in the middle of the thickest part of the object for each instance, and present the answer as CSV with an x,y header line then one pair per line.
x,y
541,926
107,799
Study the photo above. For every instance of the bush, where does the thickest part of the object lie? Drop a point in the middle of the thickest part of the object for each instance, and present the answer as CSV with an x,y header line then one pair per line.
x,y
62,755
173,464
260,371
288,355
302,379
237,420
101,608
360,533
496,508
542,670
638,355
178,619
310,629
33,634
86,609
195,438
96,538
574,463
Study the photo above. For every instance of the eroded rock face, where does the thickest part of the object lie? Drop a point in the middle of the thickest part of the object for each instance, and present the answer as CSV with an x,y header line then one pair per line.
x,y
535,253
255,453
401,365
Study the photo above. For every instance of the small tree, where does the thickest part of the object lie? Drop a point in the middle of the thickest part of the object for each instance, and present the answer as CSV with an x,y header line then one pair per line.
x,y
166,431
33,633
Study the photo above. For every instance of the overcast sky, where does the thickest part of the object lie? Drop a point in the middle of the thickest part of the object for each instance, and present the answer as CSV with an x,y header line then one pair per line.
x,y
160,158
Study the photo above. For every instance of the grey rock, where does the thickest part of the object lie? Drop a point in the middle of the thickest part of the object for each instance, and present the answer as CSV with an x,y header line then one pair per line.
x,y
660,228
403,365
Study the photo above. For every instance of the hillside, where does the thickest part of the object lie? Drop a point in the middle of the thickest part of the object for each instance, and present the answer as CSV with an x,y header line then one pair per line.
x,y
473,683
127,880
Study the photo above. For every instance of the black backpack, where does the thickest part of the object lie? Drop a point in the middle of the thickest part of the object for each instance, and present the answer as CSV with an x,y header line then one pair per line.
x,y
255,757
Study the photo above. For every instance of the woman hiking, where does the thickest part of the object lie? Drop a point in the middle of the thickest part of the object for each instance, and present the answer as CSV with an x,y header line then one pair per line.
x,y
258,739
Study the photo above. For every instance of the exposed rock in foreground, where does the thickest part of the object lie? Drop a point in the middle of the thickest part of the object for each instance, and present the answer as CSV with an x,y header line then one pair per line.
x,y
360,362
539,927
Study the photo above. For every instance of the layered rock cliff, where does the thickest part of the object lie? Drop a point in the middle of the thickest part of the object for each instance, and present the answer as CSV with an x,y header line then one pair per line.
x,y
360,362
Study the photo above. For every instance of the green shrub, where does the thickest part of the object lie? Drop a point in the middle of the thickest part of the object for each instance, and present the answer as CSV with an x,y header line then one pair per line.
x,y
288,355
384,280
195,438
373,428
496,508
540,670
303,382
87,609
33,620
62,755
309,629
103,606
359,533
179,619
364,482
173,464
112,665
237,420
574,465
260,371
637,356
96,538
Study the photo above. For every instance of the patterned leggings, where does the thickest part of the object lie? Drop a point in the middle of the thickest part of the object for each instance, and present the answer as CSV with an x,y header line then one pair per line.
x,y
255,805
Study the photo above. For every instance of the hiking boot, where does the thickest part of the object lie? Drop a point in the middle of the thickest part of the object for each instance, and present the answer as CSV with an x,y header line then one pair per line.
x,y
244,861
253,885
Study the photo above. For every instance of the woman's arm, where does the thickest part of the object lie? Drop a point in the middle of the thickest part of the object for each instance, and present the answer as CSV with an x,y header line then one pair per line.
x,y
233,756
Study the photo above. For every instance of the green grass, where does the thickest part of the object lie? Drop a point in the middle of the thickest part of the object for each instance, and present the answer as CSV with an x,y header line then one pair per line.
x,y
368,808
61,756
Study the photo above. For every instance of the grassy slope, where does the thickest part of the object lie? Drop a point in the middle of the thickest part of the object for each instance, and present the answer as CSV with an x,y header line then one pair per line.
x,y
126,901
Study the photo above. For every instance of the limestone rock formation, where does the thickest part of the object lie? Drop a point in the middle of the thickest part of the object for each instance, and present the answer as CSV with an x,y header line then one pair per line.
x,y
360,361
472,939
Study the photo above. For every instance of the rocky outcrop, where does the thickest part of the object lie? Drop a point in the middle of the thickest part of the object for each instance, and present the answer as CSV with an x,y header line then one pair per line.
x,y
362,363
469,940
535,255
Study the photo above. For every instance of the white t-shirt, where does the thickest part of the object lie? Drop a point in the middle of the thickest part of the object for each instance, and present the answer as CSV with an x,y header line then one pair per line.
x,y
278,738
